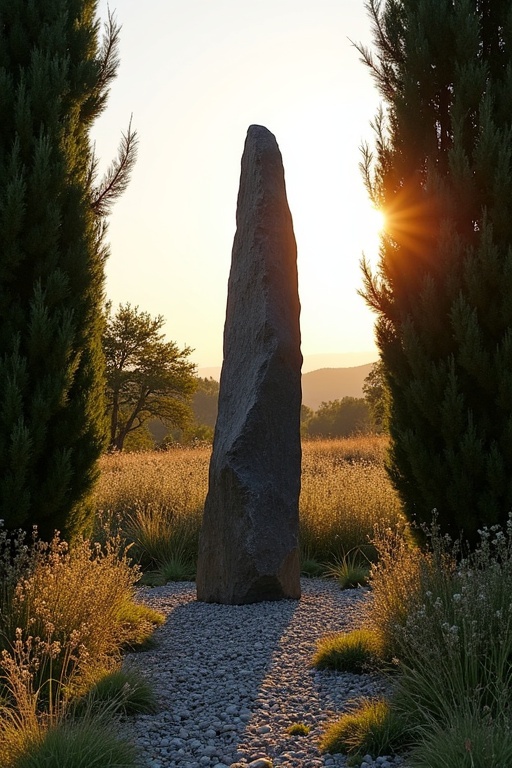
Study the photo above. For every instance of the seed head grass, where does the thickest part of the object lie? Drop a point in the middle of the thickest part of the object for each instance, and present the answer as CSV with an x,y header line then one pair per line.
x,y
156,499
65,615
446,620
74,609
344,492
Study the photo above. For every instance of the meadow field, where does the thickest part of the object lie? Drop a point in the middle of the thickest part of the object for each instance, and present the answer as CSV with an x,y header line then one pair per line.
x,y
438,623
156,499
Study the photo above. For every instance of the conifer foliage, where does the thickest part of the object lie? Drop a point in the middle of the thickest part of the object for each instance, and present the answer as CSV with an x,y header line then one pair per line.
x,y
55,74
442,172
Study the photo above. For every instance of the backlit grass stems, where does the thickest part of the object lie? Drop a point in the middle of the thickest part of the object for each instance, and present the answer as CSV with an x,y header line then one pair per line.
x,y
157,499
342,497
447,620
73,598
64,617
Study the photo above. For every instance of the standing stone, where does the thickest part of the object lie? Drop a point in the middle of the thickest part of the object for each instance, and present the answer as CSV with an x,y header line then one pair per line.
x,y
249,549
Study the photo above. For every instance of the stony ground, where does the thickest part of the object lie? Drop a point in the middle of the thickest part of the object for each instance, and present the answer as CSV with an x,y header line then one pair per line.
x,y
231,680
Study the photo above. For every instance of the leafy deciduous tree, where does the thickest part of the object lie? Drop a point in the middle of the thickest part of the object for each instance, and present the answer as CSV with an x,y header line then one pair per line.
x,y
340,418
205,402
442,172
306,414
55,76
376,395
147,377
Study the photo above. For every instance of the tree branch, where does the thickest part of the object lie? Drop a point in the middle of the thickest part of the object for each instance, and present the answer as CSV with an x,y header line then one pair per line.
x,y
117,177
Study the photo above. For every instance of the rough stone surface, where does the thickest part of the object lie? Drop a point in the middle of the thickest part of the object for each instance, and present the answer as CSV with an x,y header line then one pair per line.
x,y
248,548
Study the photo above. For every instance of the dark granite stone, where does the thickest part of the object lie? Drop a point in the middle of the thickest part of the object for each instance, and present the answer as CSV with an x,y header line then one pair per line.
x,y
248,548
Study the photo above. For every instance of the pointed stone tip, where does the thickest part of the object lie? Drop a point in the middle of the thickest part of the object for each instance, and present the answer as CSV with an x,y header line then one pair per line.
x,y
259,133
255,128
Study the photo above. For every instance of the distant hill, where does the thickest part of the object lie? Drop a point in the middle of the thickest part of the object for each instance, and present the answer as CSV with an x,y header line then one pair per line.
x,y
338,360
322,385
313,362
318,387
213,372
333,384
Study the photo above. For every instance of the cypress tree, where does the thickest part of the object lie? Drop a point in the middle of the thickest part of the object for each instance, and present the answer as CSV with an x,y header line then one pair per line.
x,y
55,73
442,172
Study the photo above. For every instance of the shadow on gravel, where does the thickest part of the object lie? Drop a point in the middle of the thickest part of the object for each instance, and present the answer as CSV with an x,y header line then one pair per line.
x,y
231,679
208,669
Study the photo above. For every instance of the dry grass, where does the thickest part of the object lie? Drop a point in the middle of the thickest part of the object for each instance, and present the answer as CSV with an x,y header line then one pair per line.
x,y
176,479
345,492
157,500
158,497
69,615
396,582
367,448
65,615
446,621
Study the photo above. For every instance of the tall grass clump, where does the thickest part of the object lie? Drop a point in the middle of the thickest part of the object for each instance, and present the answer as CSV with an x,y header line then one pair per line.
x,y
90,742
161,537
467,740
156,501
65,615
371,726
73,596
124,691
345,490
395,584
352,569
447,620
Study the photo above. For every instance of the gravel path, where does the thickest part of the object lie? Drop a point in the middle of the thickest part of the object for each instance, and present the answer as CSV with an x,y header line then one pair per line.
x,y
230,680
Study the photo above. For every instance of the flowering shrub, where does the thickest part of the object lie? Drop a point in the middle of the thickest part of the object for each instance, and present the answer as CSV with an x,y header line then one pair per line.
x,y
447,621
64,616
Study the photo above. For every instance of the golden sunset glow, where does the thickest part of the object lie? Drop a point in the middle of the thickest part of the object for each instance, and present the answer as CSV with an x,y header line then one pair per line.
x,y
370,224
376,220
412,218
198,84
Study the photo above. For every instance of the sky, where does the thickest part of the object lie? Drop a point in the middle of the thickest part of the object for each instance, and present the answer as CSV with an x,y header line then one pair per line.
x,y
194,75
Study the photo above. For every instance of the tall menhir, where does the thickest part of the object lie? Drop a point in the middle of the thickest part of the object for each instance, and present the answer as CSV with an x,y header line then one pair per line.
x,y
249,539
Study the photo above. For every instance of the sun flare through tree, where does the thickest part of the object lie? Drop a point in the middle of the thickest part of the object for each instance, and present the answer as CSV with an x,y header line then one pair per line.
x,y
442,173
